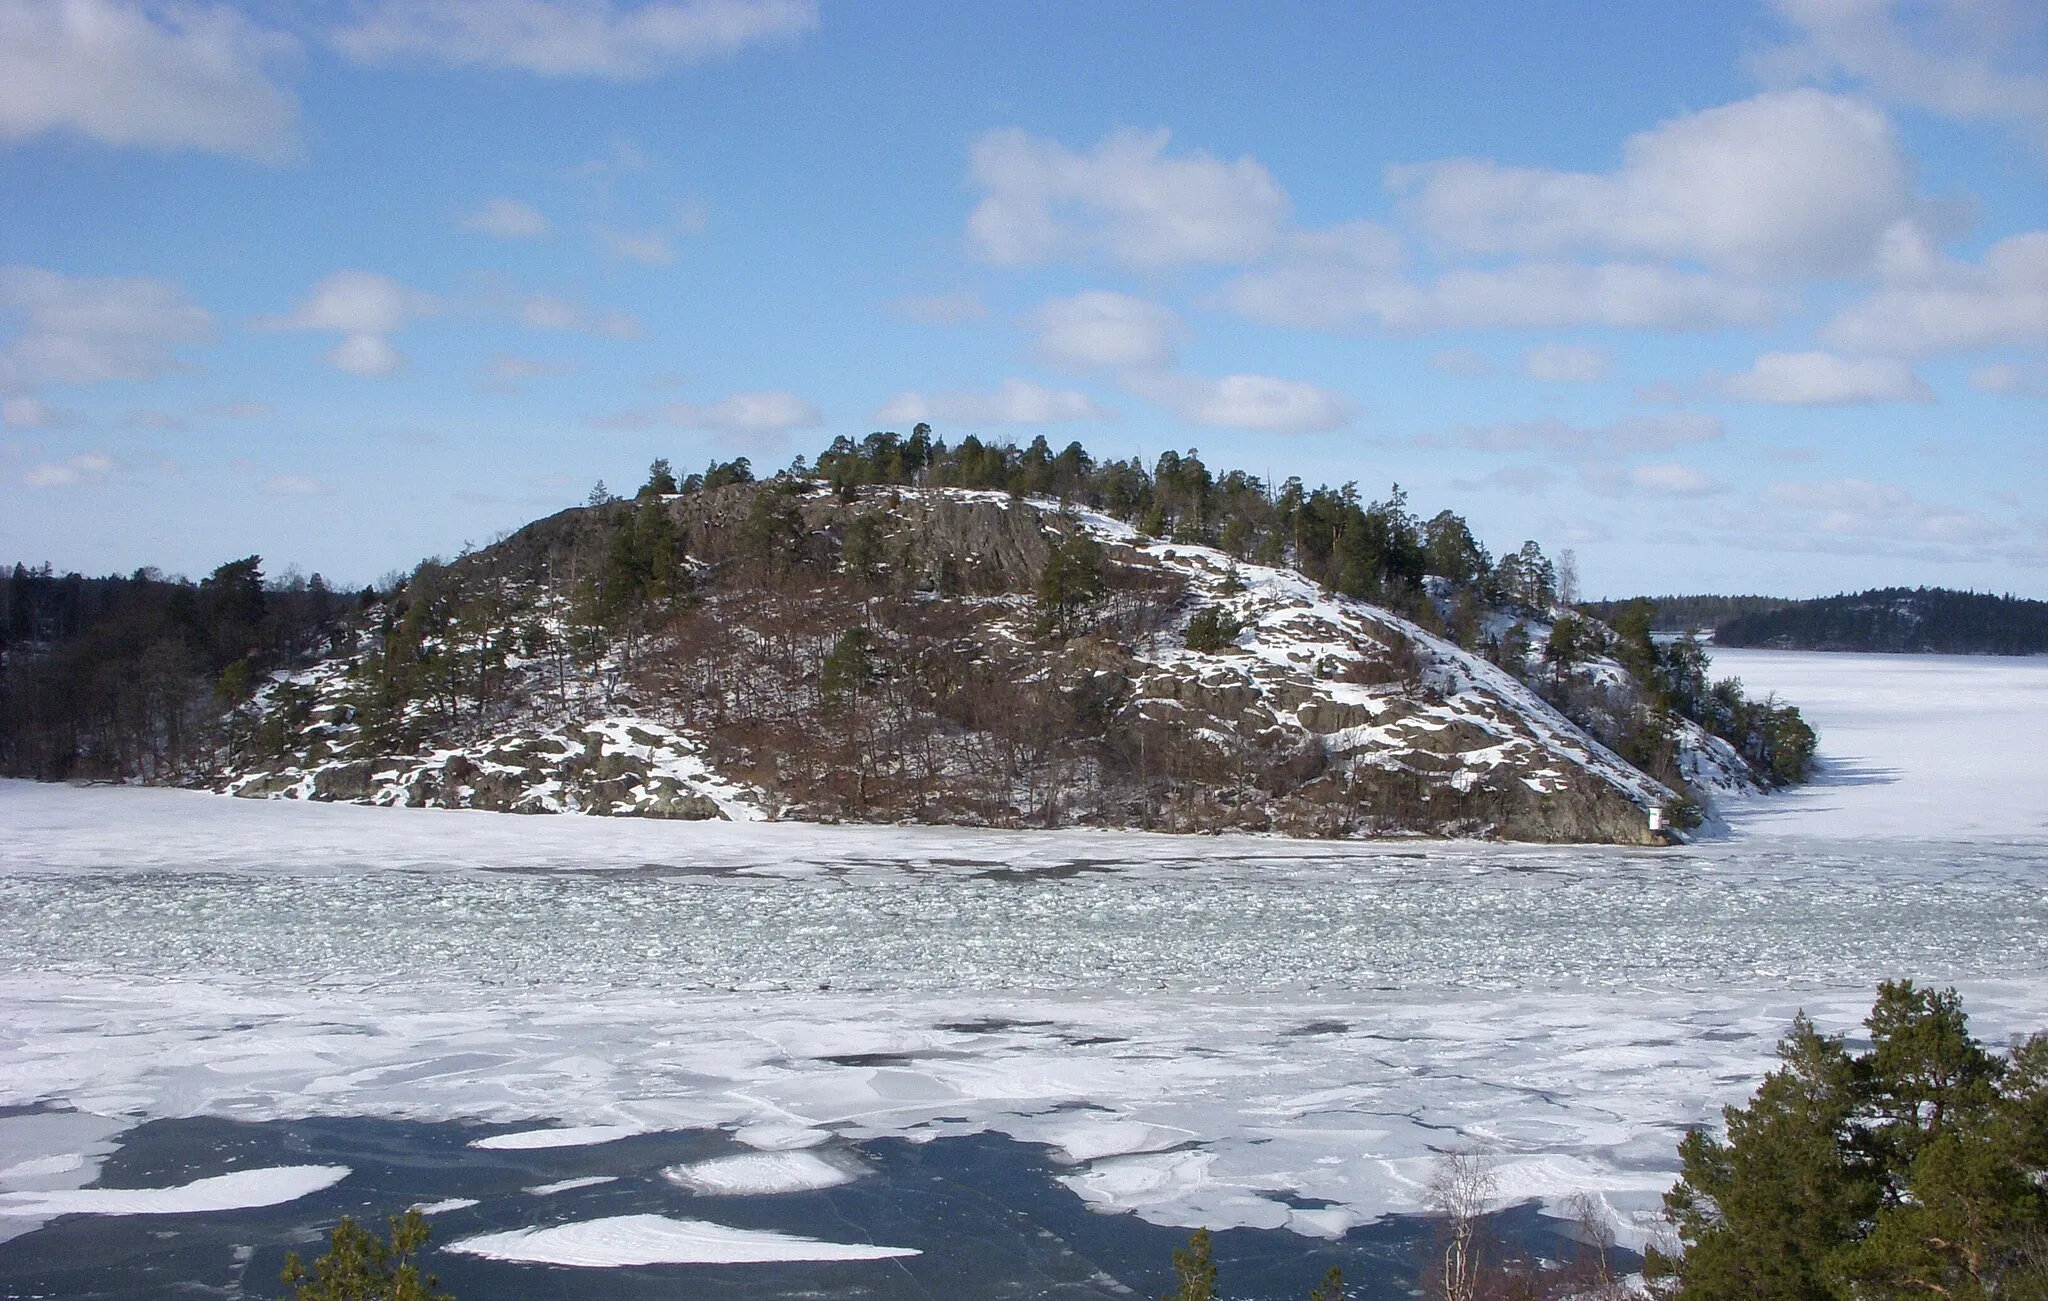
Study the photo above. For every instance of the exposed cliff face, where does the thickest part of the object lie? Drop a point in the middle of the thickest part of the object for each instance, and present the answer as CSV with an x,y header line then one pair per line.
x,y
903,655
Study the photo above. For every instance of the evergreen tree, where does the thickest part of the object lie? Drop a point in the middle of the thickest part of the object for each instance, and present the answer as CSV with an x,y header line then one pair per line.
x,y
1916,1169
360,1266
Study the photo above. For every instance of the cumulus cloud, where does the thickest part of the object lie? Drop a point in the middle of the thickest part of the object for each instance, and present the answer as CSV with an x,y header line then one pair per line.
x,y
763,412
651,247
33,413
1816,379
1963,59
1125,200
1639,435
569,38
963,308
1260,403
1792,180
353,302
243,409
548,312
85,330
505,372
366,354
2012,379
86,467
366,308
508,219
1564,363
1952,306
1860,508
1673,480
173,76
1099,328
1522,480
1311,290
1014,402
1461,361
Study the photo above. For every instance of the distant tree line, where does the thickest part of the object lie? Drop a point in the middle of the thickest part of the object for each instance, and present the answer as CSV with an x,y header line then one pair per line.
x,y
1898,619
143,676
1928,620
1698,614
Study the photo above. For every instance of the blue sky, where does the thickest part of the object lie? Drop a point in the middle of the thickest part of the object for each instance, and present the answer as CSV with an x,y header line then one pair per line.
x,y
1721,297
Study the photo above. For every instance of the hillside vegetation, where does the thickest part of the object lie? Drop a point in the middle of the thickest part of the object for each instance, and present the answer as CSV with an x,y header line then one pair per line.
x,y
904,630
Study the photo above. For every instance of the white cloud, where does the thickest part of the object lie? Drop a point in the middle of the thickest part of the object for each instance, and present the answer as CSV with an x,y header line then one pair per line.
x,y
1125,199
1813,379
290,485
1793,180
962,308
1953,306
1564,363
1673,480
1945,56
366,308
2012,379
505,372
1461,361
1305,292
763,412
366,354
86,467
151,418
1015,402
652,247
1522,480
1253,402
547,312
1637,435
508,219
1099,328
1856,507
166,76
34,413
569,38
354,302
239,410
85,330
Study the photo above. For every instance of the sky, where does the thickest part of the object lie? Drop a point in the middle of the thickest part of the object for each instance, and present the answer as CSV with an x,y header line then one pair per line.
x,y
1720,297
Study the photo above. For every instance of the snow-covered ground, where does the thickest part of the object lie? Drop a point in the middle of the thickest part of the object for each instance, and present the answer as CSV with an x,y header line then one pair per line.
x,y
1199,1027
1912,745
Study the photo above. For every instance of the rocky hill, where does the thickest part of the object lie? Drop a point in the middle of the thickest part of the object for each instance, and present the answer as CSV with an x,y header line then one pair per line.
x,y
902,653
910,632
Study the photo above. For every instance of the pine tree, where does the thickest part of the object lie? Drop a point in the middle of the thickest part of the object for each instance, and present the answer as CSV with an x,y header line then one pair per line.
x,y
360,1266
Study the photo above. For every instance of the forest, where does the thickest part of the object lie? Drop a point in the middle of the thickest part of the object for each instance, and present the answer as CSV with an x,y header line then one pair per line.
x,y
1921,620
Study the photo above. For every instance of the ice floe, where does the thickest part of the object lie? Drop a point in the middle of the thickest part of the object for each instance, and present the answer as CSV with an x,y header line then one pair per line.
x,y
527,1140
624,1240
229,1192
570,1185
756,1173
1201,1030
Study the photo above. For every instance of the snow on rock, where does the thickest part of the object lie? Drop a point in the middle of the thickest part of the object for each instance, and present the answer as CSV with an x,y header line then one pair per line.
x,y
1378,726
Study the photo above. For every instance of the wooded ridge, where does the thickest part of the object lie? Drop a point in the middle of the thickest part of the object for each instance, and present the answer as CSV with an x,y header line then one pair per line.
x,y
906,631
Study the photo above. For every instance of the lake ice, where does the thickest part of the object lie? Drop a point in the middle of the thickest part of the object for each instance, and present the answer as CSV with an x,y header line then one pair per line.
x,y
1219,1031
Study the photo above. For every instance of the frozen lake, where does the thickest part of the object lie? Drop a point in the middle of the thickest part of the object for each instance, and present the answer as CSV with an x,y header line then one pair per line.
x,y
1220,1031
